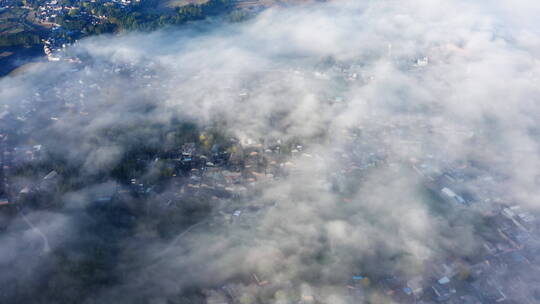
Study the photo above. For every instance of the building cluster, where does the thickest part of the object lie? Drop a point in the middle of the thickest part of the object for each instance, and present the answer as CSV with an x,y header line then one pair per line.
x,y
50,13
503,270
50,10
13,158
500,272
7,4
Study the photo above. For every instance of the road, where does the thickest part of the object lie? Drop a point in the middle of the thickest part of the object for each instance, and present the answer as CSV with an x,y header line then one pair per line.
x,y
46,247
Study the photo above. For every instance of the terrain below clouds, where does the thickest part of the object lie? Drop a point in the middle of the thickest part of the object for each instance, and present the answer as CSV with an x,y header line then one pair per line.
x,y
341,152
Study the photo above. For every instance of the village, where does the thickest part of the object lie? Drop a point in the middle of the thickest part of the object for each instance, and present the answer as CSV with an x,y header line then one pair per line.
x,y
62,23
227,173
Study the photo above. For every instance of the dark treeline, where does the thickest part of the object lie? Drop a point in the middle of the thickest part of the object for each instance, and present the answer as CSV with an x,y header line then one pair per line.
x,y
19,39
138,18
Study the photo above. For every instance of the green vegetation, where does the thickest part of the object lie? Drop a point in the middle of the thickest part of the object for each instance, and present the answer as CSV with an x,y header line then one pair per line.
x,y
19,39
239,16
140,18
15,30
74,24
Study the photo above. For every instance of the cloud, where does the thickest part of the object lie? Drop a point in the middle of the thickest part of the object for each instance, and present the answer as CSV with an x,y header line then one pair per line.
x,y
443,84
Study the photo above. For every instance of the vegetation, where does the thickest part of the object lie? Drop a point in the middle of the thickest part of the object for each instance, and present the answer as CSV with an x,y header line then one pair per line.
x,y
140,17
137,19
19,39
239,16
15,30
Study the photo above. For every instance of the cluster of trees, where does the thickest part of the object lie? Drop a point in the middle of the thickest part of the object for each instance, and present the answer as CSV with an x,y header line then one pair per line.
x,y
239,16
212,7
71,22
101,28
31,3
137,19
19,39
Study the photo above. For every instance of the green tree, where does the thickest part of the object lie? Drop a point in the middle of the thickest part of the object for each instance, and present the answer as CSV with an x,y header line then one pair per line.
x,y
73,12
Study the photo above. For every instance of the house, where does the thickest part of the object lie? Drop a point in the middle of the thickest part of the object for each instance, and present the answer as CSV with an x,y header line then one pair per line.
x,y
51,175
442,292
49,181
24,191
489,291
416,285
522,219
4,201
216,297
452,195
189,148
422,62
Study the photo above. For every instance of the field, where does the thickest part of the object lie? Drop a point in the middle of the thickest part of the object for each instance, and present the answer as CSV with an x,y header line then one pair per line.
x,y
18,20
10,21
180,3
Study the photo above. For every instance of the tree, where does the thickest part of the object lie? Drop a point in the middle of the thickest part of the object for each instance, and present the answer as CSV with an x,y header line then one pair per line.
x,y
464,274
73,12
